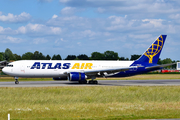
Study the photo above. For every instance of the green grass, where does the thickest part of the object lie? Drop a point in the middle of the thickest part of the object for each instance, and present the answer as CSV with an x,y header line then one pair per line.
x,y
137,77
11,79
92,102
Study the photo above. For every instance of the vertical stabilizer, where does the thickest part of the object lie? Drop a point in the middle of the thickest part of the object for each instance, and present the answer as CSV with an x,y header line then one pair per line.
x,y
152,54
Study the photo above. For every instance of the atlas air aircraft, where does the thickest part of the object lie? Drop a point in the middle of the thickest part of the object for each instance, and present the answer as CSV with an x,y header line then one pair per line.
x,y
81,70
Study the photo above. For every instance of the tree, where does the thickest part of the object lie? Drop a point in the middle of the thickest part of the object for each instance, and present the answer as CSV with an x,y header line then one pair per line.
x,y
83,57
9,55
122,58
135,57
56,57
159,61
17,57
97,56
1,56
70,57
38,56
174,66
48,57
111,55
166,61
127,59
27,56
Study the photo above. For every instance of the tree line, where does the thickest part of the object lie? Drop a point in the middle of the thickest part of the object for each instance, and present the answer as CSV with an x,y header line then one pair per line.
x,y
107,55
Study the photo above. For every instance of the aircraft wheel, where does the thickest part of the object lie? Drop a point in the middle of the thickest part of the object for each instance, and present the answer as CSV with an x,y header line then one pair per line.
x,y
95,82
90,82
83,82
16,82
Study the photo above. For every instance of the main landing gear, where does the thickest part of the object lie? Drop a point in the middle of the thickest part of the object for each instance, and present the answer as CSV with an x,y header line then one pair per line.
x,y
90,82
93,81
83,82
16,80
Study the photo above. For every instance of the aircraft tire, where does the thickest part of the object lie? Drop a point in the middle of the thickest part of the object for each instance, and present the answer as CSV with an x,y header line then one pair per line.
x,y
90,82
16,82
93,82
83,82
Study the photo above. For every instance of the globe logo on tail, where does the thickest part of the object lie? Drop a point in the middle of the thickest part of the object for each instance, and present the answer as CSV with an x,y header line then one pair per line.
x,y
154,49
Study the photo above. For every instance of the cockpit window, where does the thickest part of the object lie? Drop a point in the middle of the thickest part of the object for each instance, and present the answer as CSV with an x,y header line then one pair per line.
x,y
9,65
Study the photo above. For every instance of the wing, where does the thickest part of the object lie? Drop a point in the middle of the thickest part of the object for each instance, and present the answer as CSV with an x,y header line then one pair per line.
x,y
102,71
109,71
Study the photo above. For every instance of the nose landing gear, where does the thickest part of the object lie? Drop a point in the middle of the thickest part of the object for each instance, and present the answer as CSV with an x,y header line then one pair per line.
x,y
16,80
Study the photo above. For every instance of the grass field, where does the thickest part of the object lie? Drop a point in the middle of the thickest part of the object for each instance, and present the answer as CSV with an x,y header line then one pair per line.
x,y
103,102
137,77
91,102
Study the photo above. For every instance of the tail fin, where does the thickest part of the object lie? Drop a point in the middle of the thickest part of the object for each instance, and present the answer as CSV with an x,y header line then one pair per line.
x,y
153,52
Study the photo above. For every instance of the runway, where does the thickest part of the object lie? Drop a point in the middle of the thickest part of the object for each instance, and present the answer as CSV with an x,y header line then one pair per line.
x,y
100,83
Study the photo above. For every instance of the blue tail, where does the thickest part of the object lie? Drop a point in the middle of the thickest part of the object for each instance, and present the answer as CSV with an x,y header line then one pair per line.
x,y
152,54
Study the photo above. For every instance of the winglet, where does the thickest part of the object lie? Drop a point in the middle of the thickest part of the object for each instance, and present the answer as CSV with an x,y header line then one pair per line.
x,y
153,52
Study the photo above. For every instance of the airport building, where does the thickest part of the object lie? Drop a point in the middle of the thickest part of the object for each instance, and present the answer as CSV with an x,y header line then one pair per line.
x,y
2,65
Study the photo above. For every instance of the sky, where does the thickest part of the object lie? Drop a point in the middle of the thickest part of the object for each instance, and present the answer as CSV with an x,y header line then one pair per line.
x,y
74,27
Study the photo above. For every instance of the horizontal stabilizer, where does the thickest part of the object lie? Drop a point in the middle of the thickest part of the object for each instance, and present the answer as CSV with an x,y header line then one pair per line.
x,y
160,66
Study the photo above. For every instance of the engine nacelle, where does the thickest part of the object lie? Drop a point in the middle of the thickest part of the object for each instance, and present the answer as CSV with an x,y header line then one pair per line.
x,y
77,76
60,78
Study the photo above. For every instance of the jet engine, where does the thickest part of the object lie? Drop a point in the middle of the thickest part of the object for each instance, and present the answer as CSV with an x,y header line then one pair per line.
x,y
77,76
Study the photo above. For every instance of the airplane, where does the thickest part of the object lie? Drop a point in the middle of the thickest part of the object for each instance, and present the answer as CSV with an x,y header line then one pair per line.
x,y
82,70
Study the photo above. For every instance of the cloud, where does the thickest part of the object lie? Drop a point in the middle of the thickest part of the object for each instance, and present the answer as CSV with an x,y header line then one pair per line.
x,y
68,10
174,16
71,10
45,1
54,16
6,31
38,30
140,36
115,25
135,8
92,3
64,1
117,19
88,33
155,22
9,39
23,17
70,22
40,41
101,10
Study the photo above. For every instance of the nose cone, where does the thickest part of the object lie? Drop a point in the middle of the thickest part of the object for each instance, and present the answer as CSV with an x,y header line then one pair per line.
x,y
5,70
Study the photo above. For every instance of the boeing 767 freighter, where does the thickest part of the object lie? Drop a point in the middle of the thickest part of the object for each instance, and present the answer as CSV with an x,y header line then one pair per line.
x,y
81,70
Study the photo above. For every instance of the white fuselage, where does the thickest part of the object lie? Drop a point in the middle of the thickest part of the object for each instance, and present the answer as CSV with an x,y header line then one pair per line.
x,y
57,68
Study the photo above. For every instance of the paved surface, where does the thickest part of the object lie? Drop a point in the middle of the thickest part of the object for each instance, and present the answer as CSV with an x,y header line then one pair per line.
x,y
101,83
